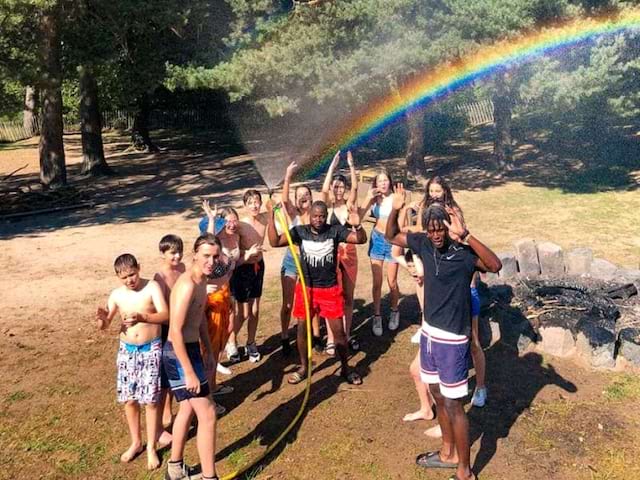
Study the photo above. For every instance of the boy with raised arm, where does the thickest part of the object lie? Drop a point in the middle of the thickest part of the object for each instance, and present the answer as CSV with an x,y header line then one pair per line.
x,y
450,256
318,244
247,279
143,310
171,250
183,361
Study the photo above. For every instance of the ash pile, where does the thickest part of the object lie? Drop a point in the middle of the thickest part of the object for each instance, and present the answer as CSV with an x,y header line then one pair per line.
x,y
596,322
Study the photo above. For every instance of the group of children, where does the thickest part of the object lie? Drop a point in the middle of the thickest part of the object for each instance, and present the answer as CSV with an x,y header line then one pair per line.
x,y
175,327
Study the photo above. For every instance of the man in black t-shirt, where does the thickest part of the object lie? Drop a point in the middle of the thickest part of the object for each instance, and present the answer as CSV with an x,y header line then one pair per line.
x,y
318,244
450,255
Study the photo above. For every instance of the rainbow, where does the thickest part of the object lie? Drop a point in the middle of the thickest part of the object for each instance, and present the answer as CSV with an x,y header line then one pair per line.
x,y
446,78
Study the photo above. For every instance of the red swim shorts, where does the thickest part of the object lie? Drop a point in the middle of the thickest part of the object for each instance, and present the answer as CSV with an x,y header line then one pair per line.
x,y
326,302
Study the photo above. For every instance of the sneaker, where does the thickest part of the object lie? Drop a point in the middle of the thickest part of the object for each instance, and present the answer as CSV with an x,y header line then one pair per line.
x,y
394,320
177,472
254,354
376,326
222,369
479,397
233,354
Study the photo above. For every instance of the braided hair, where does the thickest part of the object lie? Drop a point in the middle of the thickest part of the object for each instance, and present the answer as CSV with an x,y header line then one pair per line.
x,y
436,214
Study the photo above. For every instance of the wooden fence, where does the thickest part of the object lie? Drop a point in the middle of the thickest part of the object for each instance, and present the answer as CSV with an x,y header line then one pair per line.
x,y
477,113
15,131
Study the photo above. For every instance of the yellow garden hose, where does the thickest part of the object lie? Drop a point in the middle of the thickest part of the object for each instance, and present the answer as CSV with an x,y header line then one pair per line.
x,y
296,259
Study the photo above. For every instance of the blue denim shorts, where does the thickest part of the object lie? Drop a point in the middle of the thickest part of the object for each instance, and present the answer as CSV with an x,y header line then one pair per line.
x,y
379,247
288,265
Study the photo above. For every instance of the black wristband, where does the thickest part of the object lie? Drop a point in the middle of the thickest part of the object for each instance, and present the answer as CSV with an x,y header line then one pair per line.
x,y
465,235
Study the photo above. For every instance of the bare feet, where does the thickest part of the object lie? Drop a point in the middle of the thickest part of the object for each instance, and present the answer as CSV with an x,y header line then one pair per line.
x,y
153,461
132,452
433,432
164,439
419,415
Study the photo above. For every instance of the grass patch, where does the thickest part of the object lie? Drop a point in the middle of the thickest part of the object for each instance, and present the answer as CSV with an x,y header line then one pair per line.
x,y
623,387
17,396
237,458
615,464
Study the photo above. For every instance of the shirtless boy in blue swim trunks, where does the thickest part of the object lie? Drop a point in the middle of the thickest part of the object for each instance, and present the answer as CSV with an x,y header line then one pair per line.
x,y
183,363
143,310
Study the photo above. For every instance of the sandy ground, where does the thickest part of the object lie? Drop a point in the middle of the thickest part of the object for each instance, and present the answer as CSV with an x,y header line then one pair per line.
x,y
59,418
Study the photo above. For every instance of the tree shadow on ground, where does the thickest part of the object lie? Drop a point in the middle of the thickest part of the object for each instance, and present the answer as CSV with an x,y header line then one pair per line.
x,y
513,381
189,168
215,164
322,387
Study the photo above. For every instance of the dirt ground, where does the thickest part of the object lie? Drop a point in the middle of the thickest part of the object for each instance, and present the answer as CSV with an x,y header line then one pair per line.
x,y
545,418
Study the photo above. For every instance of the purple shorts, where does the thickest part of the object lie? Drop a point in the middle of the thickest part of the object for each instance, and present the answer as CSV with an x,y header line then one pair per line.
x,y
444,359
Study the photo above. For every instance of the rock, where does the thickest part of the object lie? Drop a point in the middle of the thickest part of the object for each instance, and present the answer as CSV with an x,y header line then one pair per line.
x,y
527,338
551,259
629,339
490,278
527,256
602,269
509,265
495,332
556,340
578,261
597,346
629,276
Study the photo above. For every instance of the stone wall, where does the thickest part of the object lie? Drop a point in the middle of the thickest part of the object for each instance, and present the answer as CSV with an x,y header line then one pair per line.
x,y
598,345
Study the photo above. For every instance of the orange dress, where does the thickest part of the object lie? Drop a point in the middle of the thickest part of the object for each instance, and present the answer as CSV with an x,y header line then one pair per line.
x,y
218,323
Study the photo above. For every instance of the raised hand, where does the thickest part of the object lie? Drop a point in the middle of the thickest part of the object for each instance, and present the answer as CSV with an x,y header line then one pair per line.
x,y
291,168
457,228
350,159
353,219
371,194
399,196
253,251
207,209
335,161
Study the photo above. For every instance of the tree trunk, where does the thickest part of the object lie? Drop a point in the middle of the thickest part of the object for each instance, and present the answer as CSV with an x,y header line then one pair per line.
x,y
93,162
53,172
140,131
415,144
502,145
30,110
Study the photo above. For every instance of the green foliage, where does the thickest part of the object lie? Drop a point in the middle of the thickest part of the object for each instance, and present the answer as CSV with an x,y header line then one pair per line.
x,y
351,51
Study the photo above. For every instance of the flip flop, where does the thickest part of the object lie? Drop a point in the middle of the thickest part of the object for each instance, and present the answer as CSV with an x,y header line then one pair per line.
x,y
223,390
296,377
432,460
455,477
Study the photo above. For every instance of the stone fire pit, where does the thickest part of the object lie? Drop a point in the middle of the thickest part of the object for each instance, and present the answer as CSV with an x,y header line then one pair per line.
x,y
565,305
